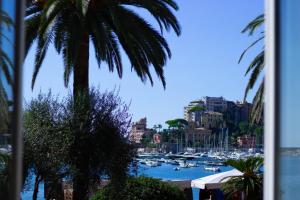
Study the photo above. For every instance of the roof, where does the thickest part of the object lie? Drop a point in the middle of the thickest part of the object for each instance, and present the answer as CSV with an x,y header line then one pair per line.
x,y
214,181
213,113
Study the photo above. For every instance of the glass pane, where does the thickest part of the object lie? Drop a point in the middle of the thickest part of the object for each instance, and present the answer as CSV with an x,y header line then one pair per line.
x,y
289,99
7,14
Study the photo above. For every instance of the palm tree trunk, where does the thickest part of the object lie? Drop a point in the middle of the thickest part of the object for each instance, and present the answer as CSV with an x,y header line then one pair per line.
x,y
81,68
80,149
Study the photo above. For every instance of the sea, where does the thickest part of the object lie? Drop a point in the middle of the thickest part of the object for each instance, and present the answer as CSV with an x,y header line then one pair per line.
x,y
289,187
163,172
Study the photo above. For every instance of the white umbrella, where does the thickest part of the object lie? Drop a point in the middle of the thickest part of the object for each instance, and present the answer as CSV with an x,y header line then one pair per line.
x,y
214,181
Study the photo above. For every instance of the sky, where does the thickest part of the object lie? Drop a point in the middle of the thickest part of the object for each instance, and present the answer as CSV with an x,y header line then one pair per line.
x,y
204,62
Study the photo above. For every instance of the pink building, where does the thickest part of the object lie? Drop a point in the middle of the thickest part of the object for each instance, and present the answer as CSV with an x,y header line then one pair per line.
x,y
138,130
246,141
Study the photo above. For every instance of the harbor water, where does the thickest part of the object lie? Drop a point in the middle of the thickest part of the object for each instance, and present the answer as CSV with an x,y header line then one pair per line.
x,y
164,172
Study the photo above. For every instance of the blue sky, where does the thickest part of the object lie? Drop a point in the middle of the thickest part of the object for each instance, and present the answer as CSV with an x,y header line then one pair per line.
x,y
204,62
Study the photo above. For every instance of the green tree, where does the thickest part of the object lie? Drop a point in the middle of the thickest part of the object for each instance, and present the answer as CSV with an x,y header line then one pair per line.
x,y
250,184
146,140
4,166
255,69
49,140
46,143
244,128
159,126
110,26
177,123
106,127
177,129
142,188
196,109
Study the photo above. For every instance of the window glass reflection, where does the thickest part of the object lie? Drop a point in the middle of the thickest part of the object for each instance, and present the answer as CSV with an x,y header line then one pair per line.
x,y
6,94
289,99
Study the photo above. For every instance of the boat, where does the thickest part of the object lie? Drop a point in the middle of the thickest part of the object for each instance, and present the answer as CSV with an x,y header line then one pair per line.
x,y
192,165
176,168
172,162
213,169
183,164
151,163
143,161
188,156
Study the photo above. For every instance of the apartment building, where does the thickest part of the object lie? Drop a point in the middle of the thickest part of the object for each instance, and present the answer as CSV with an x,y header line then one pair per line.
x,y
211,119
195,115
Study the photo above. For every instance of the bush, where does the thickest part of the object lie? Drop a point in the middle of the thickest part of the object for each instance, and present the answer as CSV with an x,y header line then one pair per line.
x,y
144,188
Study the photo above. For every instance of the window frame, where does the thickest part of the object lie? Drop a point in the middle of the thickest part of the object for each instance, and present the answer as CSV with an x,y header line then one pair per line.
x,y
17,138
272,101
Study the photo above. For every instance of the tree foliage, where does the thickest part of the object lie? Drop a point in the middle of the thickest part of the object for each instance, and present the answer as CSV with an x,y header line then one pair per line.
x,y
6,68
196,108
46,141
255,68
177,123
49,127
110,25
142,188
4,167
104,140
250,184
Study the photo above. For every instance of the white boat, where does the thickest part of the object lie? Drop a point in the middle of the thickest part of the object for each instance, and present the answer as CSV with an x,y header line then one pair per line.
x,y
188,155
172,162
213,169
151,163
183,164
192,164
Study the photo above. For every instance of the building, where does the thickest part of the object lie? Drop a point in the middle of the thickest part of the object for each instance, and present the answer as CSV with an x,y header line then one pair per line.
x,y
242,112
156,138
246,141
197,135
211,104
216,111
193,116
211,119
216,104
138,130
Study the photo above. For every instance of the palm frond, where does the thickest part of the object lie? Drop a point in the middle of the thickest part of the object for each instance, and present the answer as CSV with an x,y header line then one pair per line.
x,y
256,67
254,24
250,183
258,105
111,25
160,11
249,47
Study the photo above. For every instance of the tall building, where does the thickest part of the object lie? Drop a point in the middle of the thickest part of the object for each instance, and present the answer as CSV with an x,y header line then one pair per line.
x,y
242,112
216,104
216,109
211,119
193,116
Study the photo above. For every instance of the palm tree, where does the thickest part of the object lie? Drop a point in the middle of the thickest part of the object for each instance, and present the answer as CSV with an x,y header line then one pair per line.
x,y
255,69
159,126
6,67
249,186
109,25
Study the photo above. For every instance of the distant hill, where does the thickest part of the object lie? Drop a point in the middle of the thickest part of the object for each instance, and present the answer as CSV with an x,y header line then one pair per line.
x,y
290,151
